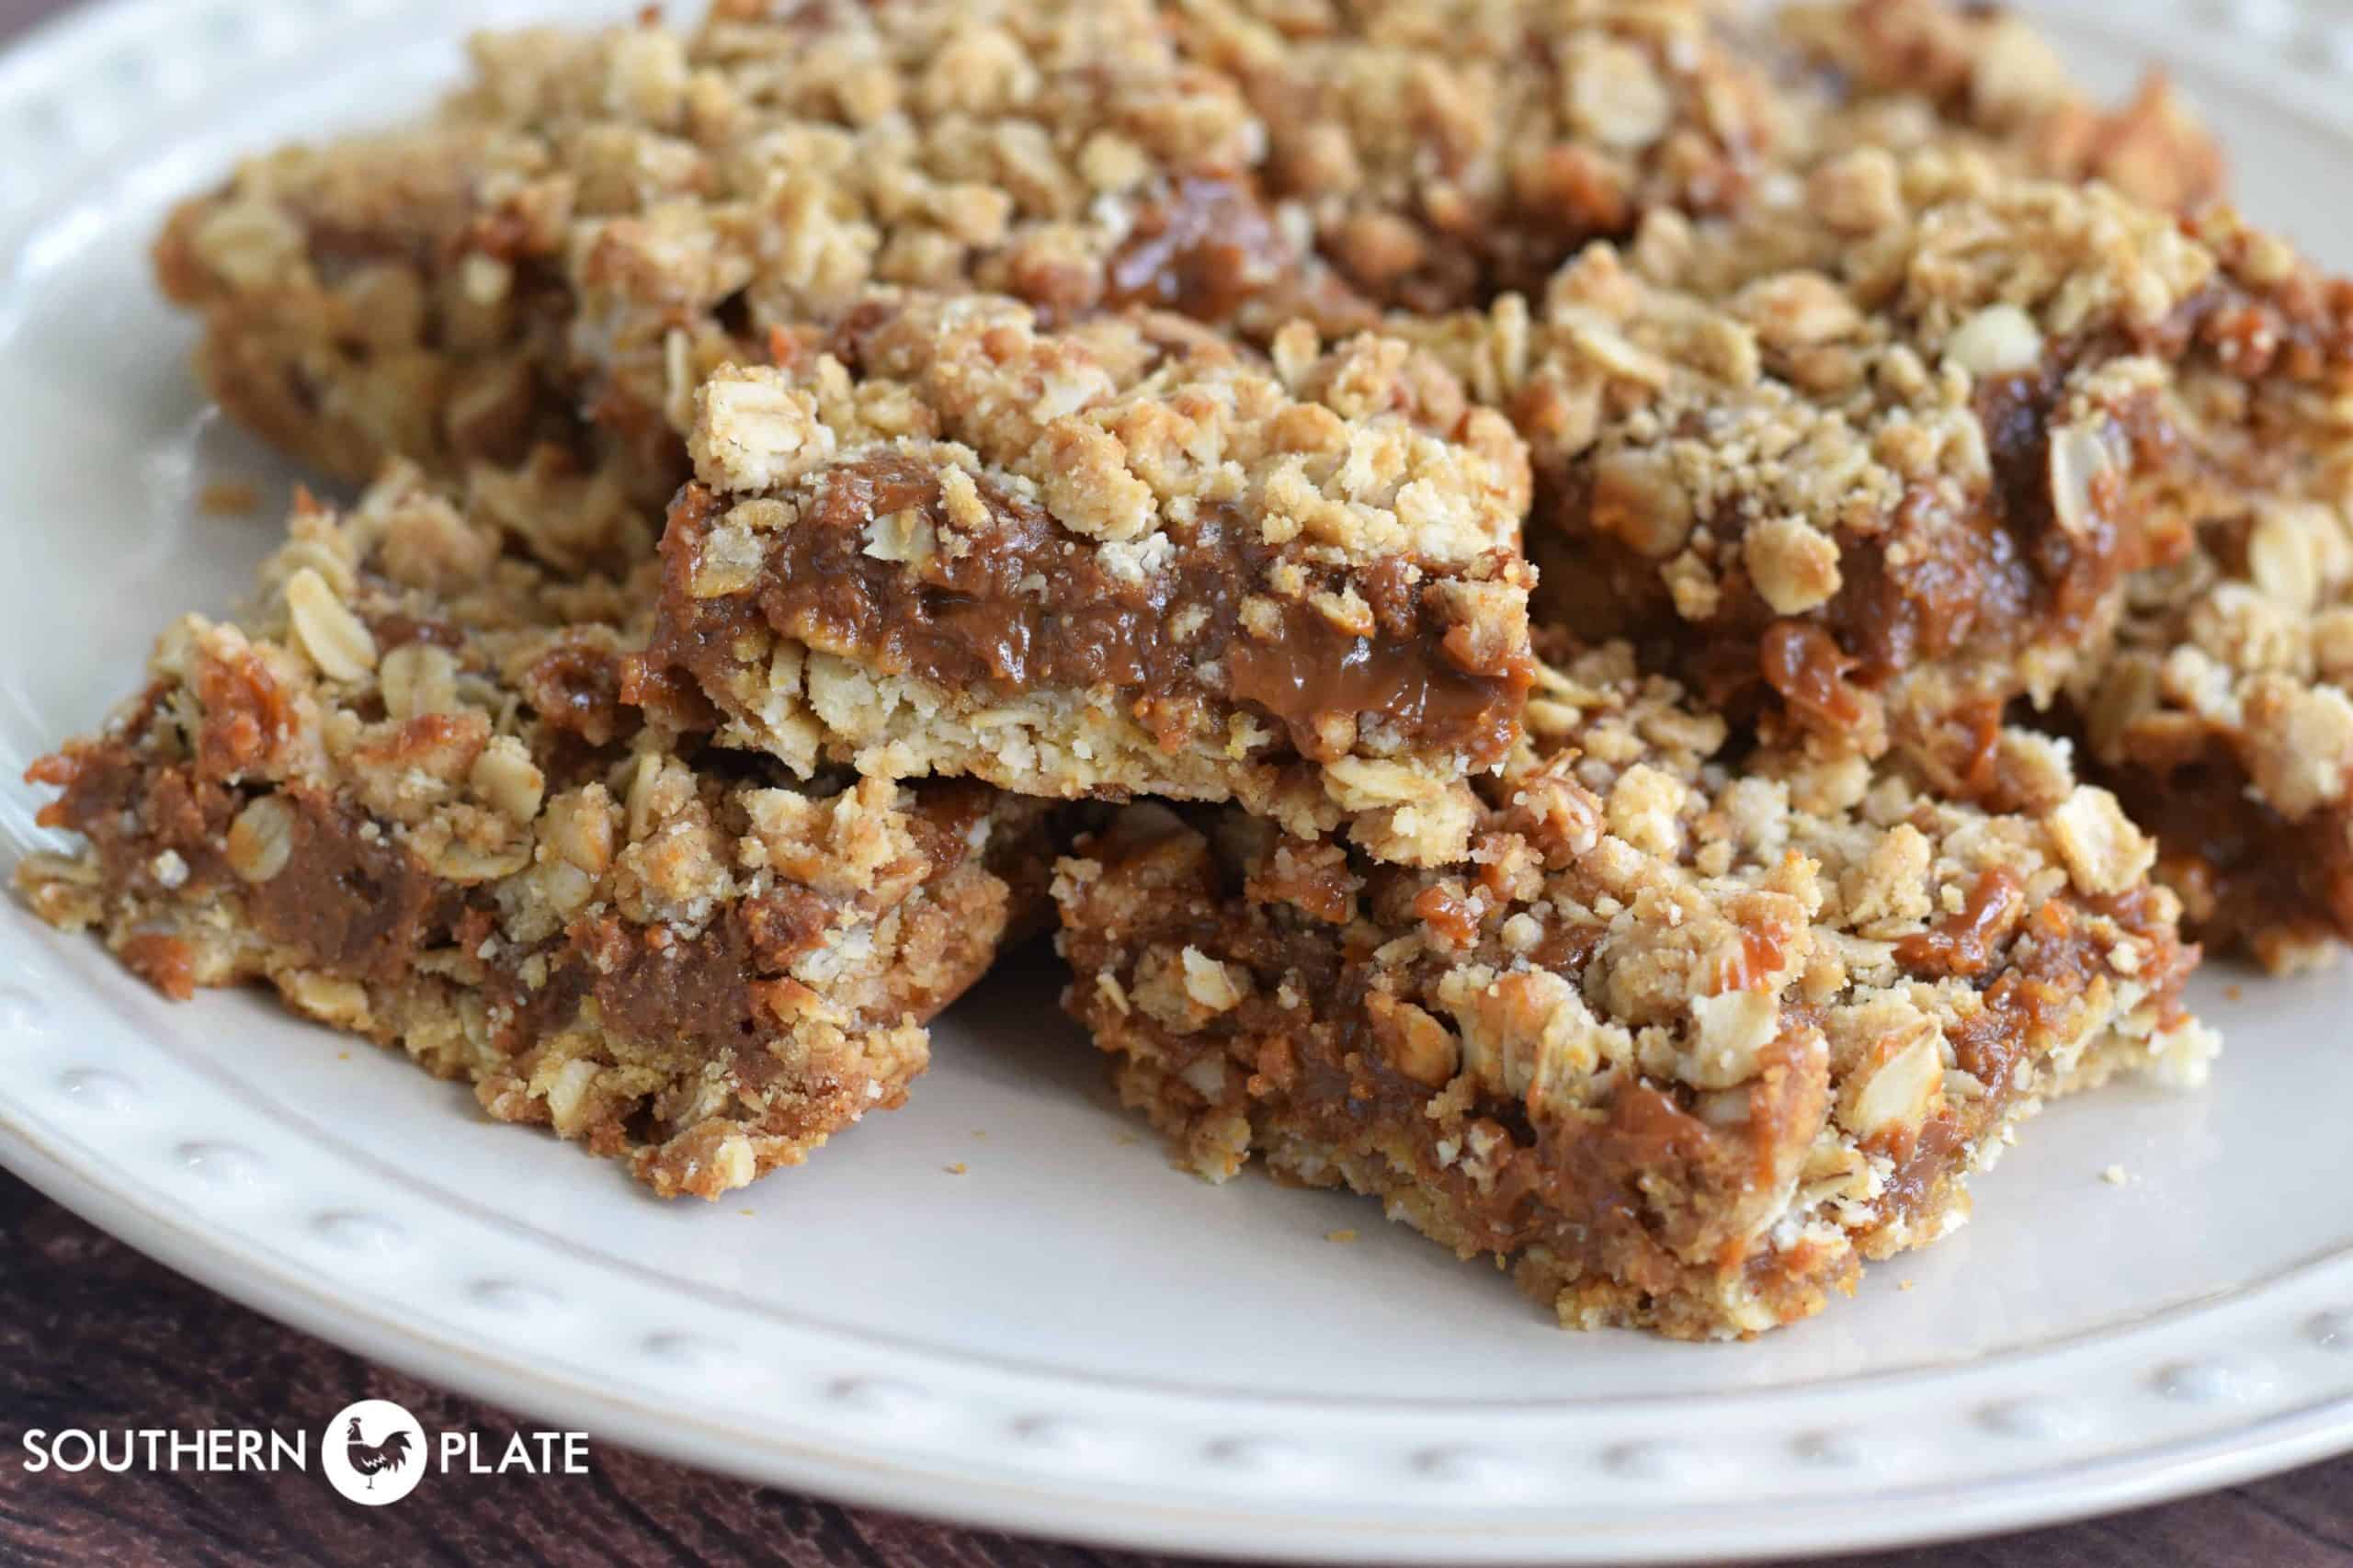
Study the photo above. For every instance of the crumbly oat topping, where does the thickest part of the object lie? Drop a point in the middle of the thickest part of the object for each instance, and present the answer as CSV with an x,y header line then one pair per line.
x,y
1118,398
1682,1042
1923,70
406,792
600,217
1291,581
2225,718
1443,150
1878,459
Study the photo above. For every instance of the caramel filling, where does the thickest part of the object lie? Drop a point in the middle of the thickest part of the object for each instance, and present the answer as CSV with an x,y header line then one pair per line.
x,y
1020,605
353,903
1204,251
1587,1187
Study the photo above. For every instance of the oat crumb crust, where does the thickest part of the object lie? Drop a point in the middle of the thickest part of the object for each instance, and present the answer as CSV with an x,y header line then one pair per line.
x,y
1631,627
404,792
1682,1045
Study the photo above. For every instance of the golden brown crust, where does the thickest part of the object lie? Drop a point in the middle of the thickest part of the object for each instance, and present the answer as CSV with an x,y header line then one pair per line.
x,y
1868,466
406,793
600,217
2224,717
1683,1047
1124,559
1984,73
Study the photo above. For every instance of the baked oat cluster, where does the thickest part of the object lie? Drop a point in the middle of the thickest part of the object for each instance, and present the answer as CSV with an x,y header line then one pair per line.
x,y
1629,625
405,791
1682,1044
597,220
1922,72
1872,462
2224,714
1124,558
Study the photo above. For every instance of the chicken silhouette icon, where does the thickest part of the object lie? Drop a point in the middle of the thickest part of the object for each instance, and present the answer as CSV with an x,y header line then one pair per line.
x,y
373,1473
368,1458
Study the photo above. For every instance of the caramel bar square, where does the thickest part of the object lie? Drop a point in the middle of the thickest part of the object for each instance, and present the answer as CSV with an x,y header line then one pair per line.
x,y
1867,467
2224,720
598,217
404,794
1125,558
1681,1044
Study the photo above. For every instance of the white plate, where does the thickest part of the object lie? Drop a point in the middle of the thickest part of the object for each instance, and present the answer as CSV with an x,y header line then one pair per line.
x,y
1068,1337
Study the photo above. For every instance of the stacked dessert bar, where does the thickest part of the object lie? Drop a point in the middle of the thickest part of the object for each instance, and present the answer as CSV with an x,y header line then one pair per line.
x,y
1630,629
406,791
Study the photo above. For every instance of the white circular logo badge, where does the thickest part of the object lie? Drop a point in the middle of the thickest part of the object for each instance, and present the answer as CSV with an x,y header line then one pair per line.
x,y
373,1452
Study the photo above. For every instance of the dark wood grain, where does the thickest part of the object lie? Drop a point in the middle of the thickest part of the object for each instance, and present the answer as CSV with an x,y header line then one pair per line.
x,y
92,1335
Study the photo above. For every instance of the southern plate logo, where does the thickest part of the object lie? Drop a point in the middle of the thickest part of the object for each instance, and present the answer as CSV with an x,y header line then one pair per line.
x,y
373,1452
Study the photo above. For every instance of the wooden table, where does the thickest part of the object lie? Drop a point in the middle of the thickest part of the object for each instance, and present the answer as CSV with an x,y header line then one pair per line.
x,y
92,1335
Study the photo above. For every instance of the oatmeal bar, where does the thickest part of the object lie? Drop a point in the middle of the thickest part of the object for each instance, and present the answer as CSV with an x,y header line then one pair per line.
x,y
1124,558
2223,714
1867,466
1444,150
406,794
1681,1044
2225,720
1916,72
600,217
